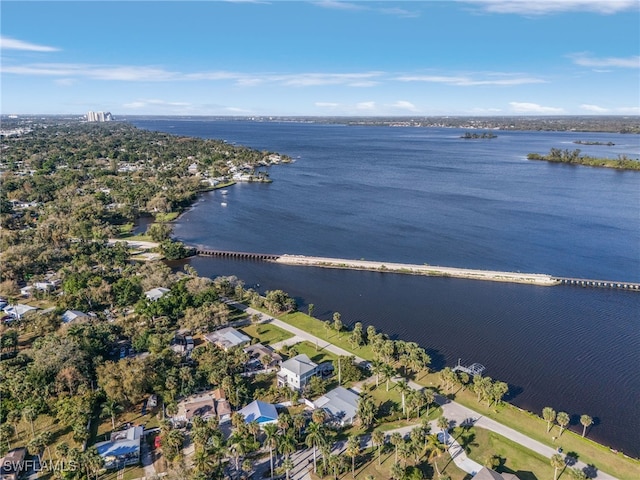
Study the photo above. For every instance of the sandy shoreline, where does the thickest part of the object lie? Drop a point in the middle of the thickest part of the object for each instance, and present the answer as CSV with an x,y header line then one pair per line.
x,y
429,270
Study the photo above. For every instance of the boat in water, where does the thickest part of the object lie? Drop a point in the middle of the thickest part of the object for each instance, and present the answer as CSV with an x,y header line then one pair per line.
x,y
224,204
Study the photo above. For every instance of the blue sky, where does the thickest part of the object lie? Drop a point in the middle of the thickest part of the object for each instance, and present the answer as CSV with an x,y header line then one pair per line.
x,y
480,57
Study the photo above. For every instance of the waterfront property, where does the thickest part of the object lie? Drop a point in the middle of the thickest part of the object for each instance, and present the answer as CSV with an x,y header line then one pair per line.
x,y
296,372
341,404
227,338
122,449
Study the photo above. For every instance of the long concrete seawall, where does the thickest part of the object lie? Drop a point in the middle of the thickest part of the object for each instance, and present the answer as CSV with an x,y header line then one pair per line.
x,y
429,270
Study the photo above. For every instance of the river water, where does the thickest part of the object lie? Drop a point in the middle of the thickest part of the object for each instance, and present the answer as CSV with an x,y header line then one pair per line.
x,y
419,195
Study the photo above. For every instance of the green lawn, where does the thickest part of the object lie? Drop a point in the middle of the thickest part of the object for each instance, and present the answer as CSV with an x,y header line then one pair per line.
x,y
316,355
517,459
602,457
166,217
266,333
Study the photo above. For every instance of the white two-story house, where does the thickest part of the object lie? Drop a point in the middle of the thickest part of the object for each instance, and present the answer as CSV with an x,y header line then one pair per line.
x,y
296,372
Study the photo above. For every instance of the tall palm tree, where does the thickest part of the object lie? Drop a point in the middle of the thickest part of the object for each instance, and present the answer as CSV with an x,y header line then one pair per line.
x,y
436,448
397,472
287,445
429,398
352,451
271,440
92,461
557,462
298,421
111,408
30,414
387,373
395,440
443,424
404,388
315,438
284,422
288,465
378,437
549,415
563,420
577,474
586,422
237,448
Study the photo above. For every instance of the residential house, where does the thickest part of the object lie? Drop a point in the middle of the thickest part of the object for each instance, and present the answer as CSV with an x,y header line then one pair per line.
x,y
340,404
122,449
261,412
296,372
18,310
202,406
156,293
257,352
71,316
12,464
223,407
227,338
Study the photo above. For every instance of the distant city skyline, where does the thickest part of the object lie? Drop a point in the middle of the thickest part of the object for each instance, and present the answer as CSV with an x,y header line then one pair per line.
x,y
321,58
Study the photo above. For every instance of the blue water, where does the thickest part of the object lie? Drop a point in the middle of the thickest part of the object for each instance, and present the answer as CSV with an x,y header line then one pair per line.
x,y
422,195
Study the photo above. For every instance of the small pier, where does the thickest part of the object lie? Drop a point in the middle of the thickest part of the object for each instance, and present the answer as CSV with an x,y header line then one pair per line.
x,y
585,282
239,255
473,369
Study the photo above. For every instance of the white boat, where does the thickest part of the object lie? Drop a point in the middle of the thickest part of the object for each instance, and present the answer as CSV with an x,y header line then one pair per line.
x,y
224,204
224,192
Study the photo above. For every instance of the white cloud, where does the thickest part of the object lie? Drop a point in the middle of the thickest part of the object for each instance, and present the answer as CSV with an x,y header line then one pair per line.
x,y
319,79
585,60
629,110
522,107
366,106
464,81
593,108
154,102
404,105
7,43
339,5
96,72
543,7
326,104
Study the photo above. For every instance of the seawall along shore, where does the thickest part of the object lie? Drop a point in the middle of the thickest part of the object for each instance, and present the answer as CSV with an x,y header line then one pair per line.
x,y
429,270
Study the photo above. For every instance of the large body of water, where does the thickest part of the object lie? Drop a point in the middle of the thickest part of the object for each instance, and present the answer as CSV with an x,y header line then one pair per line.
x,y
419,195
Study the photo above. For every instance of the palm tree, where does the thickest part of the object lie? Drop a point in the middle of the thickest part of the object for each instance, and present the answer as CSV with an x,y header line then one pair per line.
x,y
586,422
557,462
378,438
318,415
253,427
284,422
92,461
30,414
395,440
237,448
111,408
404,388
271,432
315,438
436,449
443,424
298,422
366,411
549,414
417,436
288,466
397,472
577,474
563,420
203,462
429,398
387,373
287,445
352,451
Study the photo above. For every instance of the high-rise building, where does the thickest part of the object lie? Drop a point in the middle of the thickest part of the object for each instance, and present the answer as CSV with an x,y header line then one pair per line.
x,y
99,117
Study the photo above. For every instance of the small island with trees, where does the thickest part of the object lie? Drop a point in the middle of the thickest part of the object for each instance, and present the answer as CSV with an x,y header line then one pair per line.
x,y
588,142
573,157
476,136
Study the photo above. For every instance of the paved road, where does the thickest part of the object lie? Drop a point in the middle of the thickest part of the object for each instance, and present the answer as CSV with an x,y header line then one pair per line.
x,y
454,411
